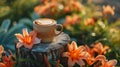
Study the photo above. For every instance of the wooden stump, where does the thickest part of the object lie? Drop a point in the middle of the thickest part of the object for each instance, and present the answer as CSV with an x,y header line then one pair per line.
x,y
34,57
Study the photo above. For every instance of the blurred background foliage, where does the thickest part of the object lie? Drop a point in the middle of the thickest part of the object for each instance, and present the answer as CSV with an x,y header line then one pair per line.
x,y
82,20
16,9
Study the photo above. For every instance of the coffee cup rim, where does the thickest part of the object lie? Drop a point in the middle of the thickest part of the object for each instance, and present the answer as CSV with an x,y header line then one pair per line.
x,y
53,22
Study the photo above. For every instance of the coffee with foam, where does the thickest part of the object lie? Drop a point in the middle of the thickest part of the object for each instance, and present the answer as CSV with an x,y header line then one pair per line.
x,y
45,22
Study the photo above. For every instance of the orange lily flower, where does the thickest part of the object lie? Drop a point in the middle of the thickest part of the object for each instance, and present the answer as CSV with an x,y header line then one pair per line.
x,y
42,9
76,18
89,21
108,10
100,49
66,9
90,56
71,20
28,40
1,50
48,8
7,62
106,63
75,54
75,5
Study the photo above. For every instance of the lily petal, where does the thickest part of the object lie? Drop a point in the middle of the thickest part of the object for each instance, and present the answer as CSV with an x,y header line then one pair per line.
x,y
85,55
80,62
25,32
19,37
37,40
65,54
112,62
70,63
19,44
104,49
69,47
81,49
87,48
33,33
98,48
74,45
100,57
29,46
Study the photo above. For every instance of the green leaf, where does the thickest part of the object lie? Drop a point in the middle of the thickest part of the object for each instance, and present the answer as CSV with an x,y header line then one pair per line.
x,y
5,24
9,37
26,22
34,16
2,35
61,20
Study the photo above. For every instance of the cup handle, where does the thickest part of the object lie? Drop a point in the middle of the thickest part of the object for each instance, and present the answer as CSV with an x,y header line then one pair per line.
x,y
61,26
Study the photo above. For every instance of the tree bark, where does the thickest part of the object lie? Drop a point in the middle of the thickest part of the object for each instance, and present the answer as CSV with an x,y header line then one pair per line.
x,y
35,56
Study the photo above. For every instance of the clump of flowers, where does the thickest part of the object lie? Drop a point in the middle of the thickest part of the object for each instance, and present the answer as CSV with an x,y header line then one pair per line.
x,y
57,8
27,39
91,24
47,8
78,54
72,20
